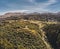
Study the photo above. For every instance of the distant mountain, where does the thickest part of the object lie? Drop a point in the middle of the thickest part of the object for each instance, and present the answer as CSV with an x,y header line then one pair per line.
x,y
33,16
11,14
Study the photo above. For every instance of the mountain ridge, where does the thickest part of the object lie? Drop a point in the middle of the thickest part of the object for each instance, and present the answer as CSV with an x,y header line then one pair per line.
x,y
33,16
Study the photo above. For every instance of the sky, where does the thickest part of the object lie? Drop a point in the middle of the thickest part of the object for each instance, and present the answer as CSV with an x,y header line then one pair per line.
x,y
29,6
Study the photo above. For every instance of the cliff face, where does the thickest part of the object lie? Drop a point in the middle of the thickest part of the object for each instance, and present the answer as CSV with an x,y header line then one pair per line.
x,y
53,35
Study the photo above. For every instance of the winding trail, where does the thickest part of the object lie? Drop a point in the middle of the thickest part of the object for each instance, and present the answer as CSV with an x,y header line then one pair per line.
x,y
43,34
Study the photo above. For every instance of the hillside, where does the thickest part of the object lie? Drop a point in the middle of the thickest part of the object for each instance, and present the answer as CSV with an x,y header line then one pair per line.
x,y
20,35
19,32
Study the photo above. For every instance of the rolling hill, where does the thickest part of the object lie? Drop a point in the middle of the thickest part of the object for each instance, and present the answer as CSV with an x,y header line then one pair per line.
x,y
29,31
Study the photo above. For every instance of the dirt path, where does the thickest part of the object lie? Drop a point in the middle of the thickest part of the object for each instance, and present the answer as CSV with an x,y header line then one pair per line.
x,y
43,34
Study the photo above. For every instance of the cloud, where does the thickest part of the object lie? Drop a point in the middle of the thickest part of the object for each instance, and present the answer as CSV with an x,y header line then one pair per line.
x,y
46,4
18,11
32,1
41,7
50,2
2,13
35,7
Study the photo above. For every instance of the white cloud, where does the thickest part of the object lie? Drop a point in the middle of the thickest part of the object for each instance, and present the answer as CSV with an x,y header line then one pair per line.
x,y
50,2
2,13
46,4
41,7
18,11
37,7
